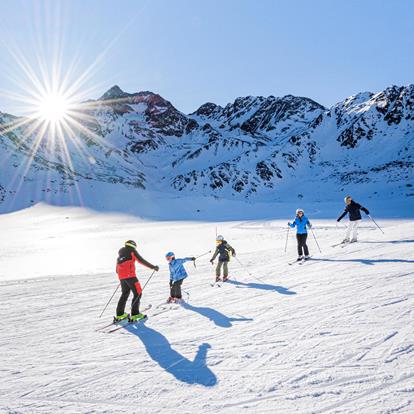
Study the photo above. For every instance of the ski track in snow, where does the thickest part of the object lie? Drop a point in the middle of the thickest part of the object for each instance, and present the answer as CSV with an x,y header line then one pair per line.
x,y
334,335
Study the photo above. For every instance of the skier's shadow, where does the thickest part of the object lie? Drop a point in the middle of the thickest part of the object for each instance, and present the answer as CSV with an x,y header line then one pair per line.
x,y
387,241
264,286
215,316
184,370
365,261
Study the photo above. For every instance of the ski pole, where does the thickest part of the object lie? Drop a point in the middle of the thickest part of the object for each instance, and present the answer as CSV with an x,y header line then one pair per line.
x,y
146,283
204,254
376,223
246,269
242,265
342,224
109,301
201,255
320,251
287,236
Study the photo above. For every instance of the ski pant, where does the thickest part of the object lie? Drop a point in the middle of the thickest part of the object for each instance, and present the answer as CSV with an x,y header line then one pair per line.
x,y
175,291
128,285
225,269
302,246
352,228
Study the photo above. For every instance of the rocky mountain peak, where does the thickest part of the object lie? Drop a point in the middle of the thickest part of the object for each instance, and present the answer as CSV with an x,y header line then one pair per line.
x,y
113,93
209,110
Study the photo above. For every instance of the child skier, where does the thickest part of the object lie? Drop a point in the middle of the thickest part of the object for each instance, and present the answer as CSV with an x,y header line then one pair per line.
x,y
125,268
224,251
301,222
353,209
177,275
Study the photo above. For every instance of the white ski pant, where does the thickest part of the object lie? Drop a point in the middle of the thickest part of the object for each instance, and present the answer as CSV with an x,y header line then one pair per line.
x,y
352,228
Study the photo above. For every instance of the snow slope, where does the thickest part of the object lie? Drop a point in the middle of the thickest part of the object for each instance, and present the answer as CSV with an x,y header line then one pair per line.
x,y
332,336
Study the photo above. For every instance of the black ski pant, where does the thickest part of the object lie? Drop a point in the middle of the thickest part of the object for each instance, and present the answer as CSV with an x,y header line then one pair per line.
x,y
129,285
302,246
225,269
176,289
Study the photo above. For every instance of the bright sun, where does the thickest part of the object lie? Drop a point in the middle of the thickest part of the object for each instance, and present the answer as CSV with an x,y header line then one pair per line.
x,y
53,108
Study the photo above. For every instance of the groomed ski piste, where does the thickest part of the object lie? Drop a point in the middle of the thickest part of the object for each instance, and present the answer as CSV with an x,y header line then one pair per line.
x,y
333,335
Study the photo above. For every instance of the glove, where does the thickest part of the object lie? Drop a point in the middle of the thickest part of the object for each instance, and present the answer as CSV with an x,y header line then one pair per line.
x,y
234,254
193,259
212,261
338,220
289,223
156,268
367,213
171,283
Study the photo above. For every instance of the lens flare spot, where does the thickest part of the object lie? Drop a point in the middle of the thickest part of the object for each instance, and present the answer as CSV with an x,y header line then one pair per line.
x,y
53,108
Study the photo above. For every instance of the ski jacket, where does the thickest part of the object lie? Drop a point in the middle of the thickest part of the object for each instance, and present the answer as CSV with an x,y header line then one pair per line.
x,y
223,251
177,270
125,264
301,224
353,209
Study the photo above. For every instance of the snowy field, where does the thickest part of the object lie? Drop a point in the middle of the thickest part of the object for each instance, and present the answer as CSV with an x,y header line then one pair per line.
x,y
334,335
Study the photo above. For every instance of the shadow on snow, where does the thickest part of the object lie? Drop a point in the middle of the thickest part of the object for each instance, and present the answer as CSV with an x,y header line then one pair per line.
x,y
215,316
160,351
364,261
263,286
388,241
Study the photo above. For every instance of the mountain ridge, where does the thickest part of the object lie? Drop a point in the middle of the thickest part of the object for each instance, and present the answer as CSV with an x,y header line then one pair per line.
x,y
254,148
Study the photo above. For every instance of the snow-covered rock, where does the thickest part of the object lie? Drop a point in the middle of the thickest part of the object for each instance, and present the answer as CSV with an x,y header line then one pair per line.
x,y
256,148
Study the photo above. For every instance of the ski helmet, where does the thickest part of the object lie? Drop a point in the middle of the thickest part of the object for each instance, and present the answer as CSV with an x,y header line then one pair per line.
x,y
300,210
131,243
219,238
170,254
347,198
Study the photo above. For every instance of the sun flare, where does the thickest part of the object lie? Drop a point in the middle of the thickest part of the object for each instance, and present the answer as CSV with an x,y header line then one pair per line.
x,y
52,108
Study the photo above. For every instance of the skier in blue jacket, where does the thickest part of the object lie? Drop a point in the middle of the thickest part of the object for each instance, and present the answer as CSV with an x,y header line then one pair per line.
x,y
301,223
177,275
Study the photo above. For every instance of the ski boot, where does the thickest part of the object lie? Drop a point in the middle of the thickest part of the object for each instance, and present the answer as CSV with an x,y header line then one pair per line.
x,y
120,317
218,279
353,241
299,258
344,241
307,257
137,317
225,278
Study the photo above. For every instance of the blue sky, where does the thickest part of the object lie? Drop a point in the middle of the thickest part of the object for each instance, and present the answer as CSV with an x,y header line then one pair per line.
x,y
193,51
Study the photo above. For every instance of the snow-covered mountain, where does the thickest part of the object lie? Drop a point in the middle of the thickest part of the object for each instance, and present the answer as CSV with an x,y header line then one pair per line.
x,y
255,149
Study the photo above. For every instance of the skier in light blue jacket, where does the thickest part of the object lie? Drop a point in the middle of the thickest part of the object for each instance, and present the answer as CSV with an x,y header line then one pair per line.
x,y
177,275
301,223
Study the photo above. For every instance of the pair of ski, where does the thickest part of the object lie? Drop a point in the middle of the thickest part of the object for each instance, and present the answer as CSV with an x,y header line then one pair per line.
x,y
299,262
159,309
218,283
343,244
123,323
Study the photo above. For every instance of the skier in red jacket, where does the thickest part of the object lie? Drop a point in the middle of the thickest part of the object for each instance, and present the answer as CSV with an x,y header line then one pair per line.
x,y
125,268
